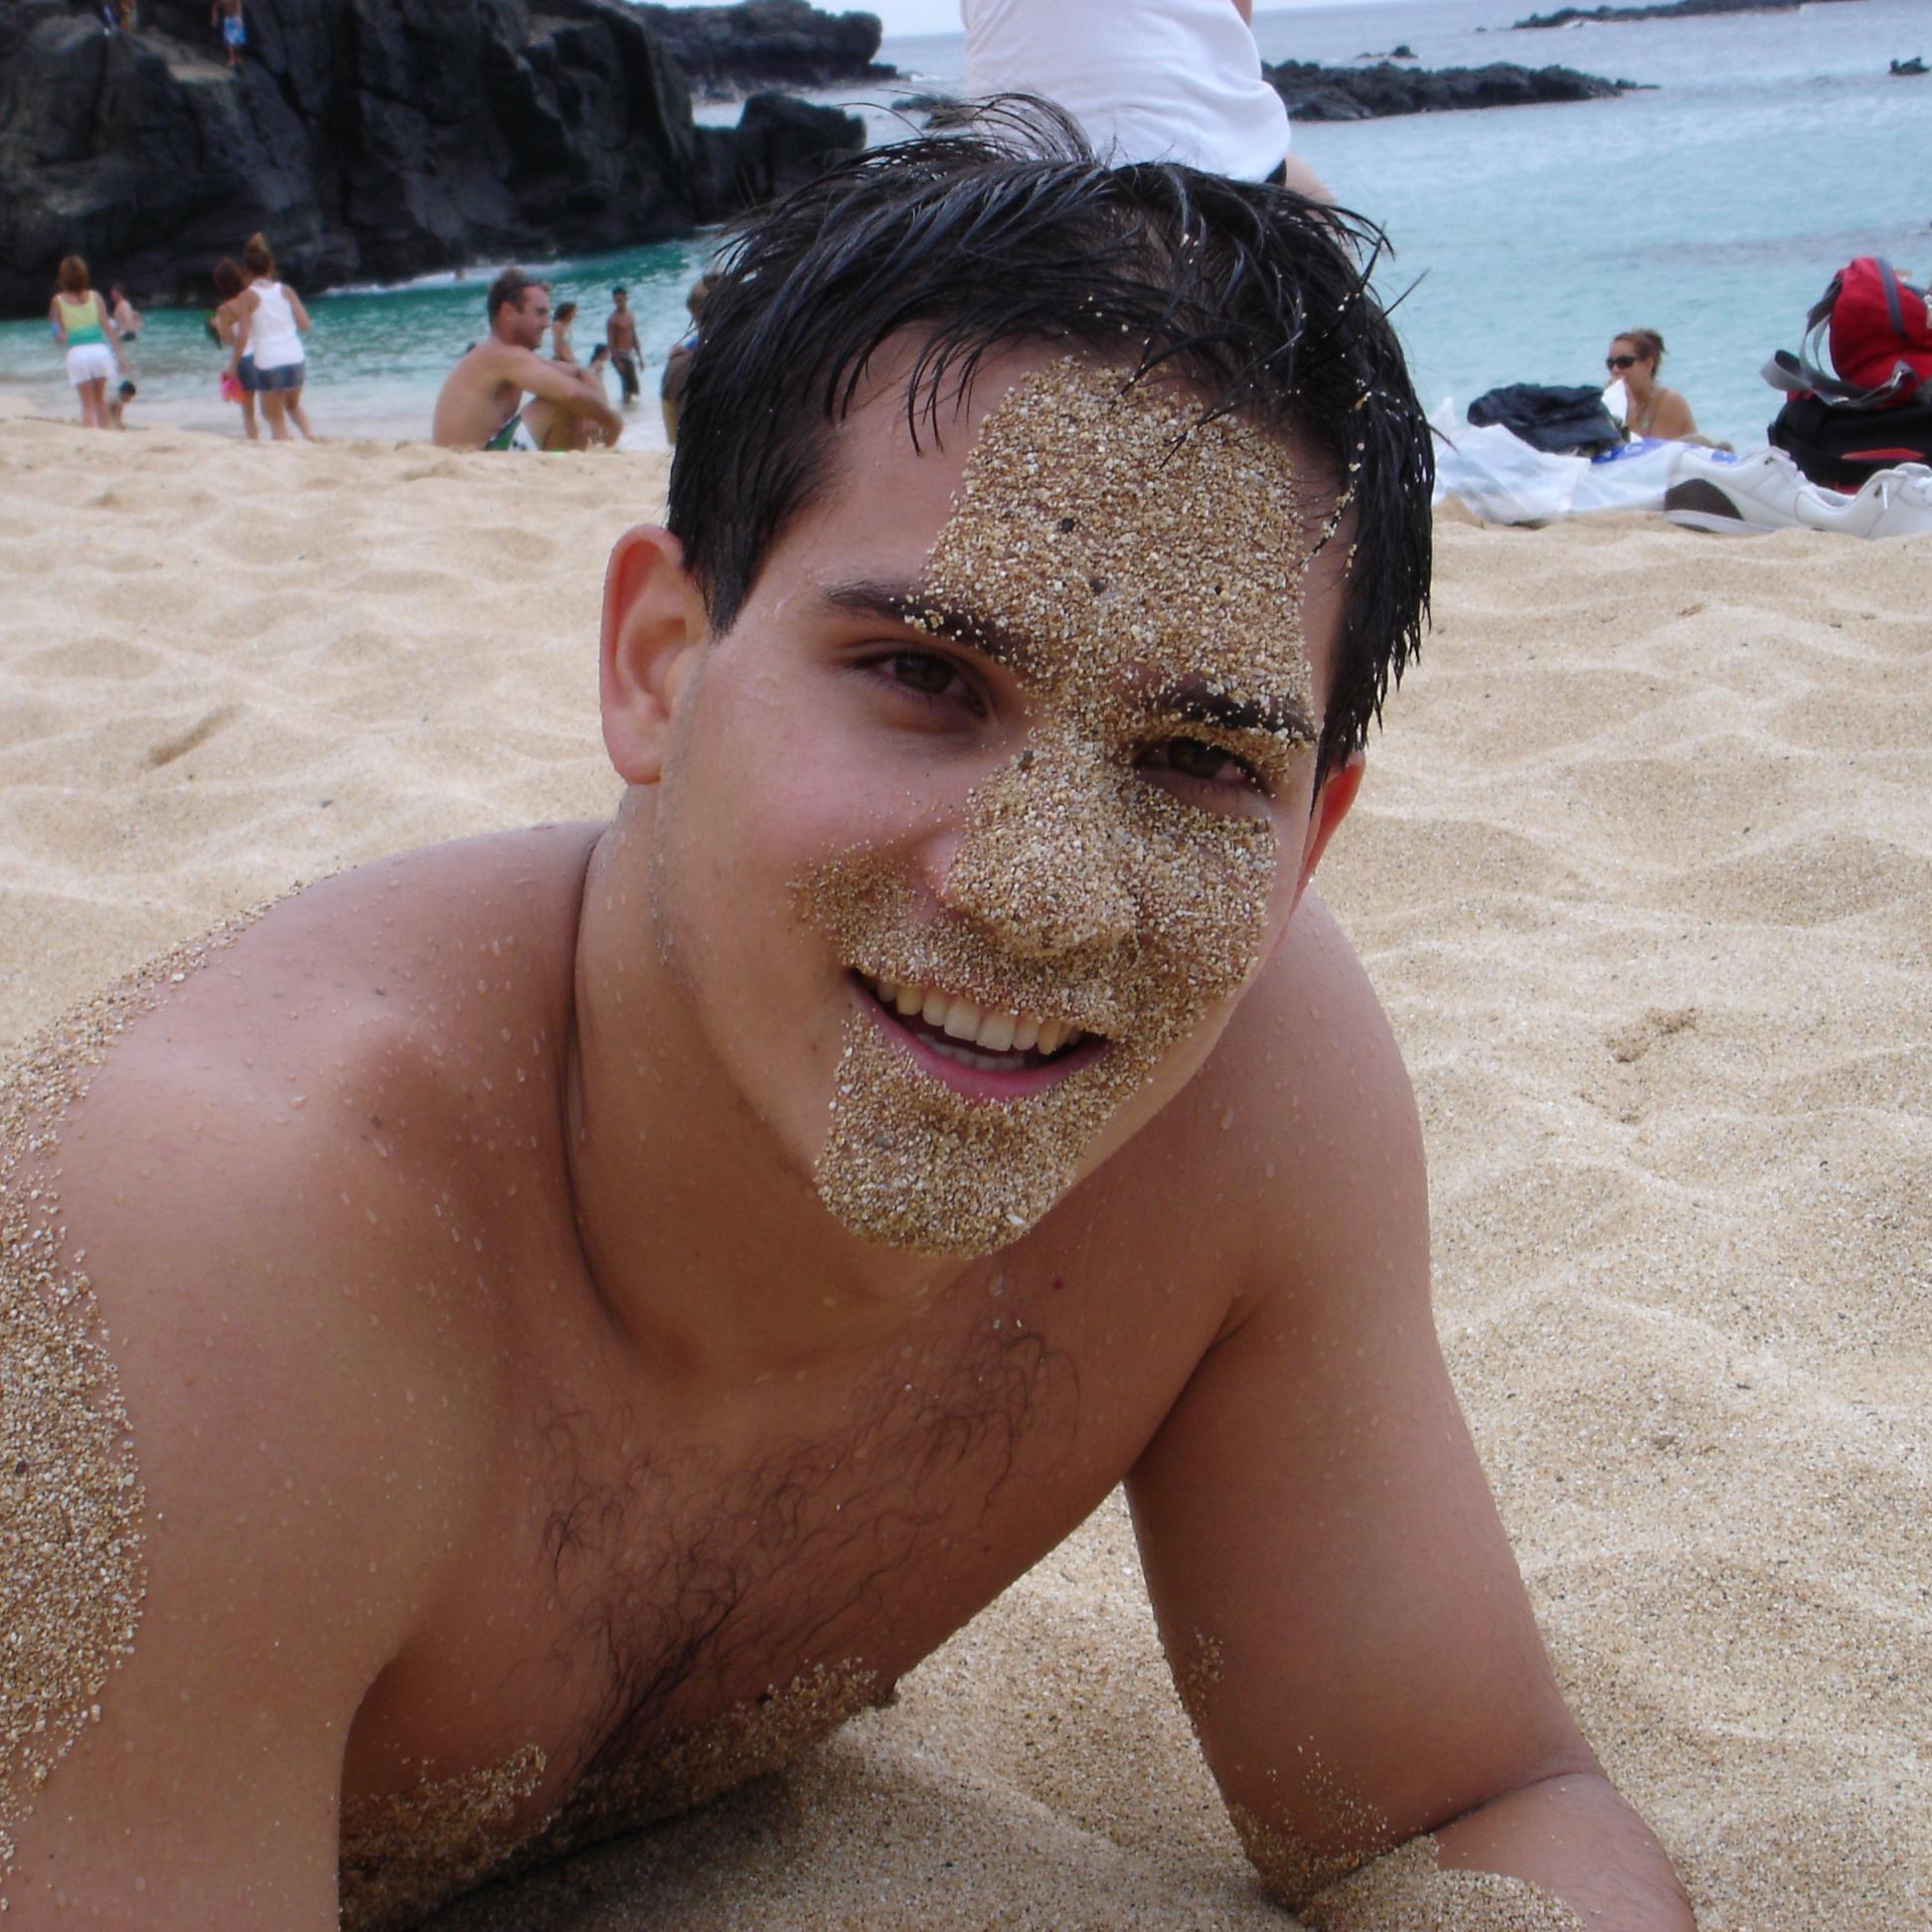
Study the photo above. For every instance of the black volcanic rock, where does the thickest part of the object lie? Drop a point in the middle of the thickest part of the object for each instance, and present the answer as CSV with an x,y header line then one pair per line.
x,y
370,140
1675,9
729,51
1319,93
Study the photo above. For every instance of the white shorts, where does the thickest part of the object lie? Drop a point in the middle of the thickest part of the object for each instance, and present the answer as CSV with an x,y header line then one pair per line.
x,y
90,362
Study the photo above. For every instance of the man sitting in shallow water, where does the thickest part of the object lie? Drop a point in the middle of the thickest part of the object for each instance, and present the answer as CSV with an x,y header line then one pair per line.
x,y
481,404
524,1335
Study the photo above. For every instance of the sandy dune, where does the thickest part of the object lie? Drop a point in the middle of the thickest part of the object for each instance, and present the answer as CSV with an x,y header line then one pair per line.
x,y
1644,873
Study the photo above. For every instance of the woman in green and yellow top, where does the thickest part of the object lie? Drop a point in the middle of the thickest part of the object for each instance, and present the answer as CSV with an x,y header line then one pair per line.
x,y
84,328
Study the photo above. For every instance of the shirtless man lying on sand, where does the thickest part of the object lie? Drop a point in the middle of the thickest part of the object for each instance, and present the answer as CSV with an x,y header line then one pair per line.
x,y
481,404
522,1336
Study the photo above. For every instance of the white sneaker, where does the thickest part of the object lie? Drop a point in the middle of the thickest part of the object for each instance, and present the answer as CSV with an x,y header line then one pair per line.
x,y
1710,489
1892,503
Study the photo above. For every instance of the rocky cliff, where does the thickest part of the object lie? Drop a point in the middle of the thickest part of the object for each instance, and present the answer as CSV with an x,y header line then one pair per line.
x,y
370,140
1319,93
729,51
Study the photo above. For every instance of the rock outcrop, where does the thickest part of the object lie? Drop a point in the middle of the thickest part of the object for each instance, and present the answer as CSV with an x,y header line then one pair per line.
x,y
731,51
1321,93
370,140
1674,9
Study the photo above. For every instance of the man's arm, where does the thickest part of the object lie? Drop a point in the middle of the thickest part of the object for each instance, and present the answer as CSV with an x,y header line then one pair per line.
x,y
244,308
570,389
1333,1584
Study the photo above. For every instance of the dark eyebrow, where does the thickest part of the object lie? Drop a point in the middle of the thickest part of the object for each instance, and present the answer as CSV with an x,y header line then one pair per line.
x,y
913,607
1279,717
909,604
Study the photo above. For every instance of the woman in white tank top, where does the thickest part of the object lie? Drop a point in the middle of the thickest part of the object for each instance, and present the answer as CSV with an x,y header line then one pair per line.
x,y
267,355
1147,79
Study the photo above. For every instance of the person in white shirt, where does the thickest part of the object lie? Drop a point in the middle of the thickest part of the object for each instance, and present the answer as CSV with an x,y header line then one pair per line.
x,y
1146,79
270,334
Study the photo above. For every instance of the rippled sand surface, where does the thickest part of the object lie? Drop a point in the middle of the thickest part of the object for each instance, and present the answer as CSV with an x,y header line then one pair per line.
x,y
1644,873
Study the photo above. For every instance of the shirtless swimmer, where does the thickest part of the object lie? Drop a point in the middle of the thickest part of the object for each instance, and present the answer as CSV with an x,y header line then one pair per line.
x,y
481,404
533,1331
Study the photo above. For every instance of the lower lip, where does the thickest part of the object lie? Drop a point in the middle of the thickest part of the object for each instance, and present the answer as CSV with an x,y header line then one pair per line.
x,y
976,1082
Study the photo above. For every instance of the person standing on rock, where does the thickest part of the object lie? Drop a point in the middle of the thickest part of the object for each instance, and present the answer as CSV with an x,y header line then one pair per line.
x,y
235,30
620,332
270,324
84,328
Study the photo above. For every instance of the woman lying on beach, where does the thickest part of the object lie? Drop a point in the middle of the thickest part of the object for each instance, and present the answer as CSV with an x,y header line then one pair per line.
x,y
84,328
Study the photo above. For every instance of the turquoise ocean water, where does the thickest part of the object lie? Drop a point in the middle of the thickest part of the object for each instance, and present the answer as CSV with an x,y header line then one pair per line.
x,y
1715,208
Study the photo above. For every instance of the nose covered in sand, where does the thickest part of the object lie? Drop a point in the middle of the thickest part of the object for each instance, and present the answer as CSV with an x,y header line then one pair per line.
x,y
1141,573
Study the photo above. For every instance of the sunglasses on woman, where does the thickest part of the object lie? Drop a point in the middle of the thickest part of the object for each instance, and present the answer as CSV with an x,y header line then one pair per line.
x,y
1619,362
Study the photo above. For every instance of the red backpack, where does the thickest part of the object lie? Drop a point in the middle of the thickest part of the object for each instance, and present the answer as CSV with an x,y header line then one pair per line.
x,y
1878,335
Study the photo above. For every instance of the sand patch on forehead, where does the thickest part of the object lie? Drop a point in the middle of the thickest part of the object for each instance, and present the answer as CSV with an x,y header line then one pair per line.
x,y
1108,525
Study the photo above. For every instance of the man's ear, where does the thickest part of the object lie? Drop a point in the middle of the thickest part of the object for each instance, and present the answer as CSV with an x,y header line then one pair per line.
x,y
1332,797
654,626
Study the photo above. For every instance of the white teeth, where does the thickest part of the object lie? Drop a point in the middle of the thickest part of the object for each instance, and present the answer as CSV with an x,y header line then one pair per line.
x,y
981,1062
998,1033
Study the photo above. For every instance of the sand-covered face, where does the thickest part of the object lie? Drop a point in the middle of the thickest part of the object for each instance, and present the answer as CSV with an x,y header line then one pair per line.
x,y
1141,575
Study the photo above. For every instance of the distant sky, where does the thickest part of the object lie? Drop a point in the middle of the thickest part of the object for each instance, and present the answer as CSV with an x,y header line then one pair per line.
x,y
943,16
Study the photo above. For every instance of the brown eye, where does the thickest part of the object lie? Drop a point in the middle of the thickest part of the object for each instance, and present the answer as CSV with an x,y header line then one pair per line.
x,y
920,672
1209,762
1205,766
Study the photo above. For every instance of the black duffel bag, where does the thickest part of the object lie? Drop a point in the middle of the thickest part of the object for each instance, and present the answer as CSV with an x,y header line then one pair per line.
x,y
1841,446
1562,421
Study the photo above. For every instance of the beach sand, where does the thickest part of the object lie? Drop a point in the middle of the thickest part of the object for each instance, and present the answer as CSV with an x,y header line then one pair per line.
x,y
1642,871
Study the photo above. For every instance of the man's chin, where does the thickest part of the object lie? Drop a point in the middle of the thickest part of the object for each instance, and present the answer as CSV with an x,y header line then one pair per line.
x,y
937,1156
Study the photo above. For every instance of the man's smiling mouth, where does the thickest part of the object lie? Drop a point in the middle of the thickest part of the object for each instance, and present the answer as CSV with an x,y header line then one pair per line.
x,y
981,1039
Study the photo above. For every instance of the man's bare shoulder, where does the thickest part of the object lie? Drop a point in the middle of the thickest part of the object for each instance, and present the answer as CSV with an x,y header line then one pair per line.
x,y
482,388
1300,1132
247,1292
297,1148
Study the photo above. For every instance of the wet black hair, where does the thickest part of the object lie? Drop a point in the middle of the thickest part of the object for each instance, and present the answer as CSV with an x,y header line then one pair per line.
x,y
1011,232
